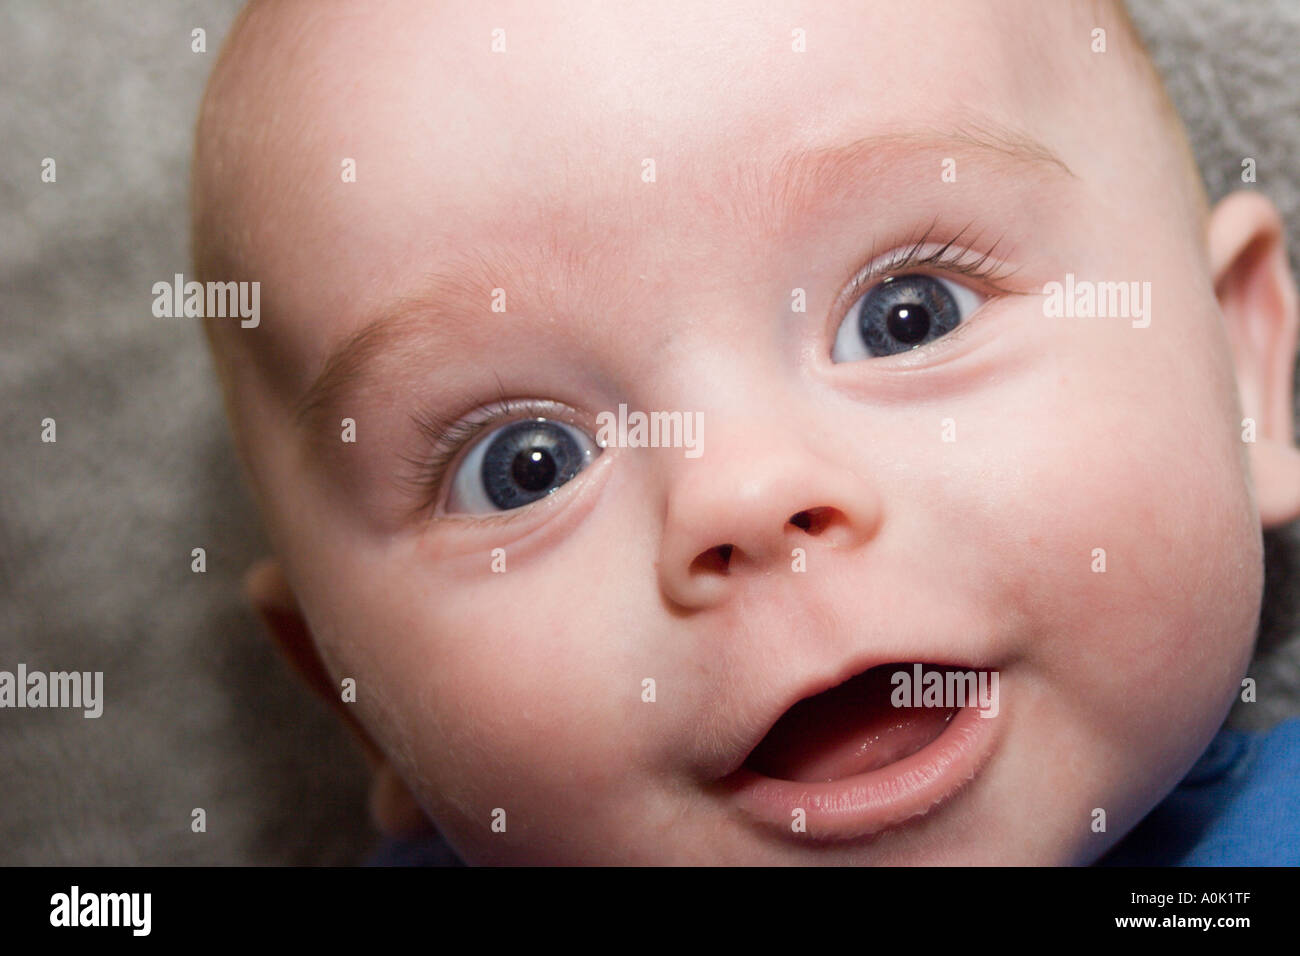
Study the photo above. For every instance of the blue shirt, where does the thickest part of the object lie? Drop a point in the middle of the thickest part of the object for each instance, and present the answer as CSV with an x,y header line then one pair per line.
x,y
1238,806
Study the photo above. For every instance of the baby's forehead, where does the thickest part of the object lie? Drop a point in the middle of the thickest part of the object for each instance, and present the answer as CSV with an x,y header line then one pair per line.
x,y
399,136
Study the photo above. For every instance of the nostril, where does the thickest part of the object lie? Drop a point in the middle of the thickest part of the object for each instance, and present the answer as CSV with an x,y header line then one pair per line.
x,y
814,520
715,560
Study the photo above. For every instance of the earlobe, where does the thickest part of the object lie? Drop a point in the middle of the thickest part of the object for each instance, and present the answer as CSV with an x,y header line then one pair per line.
x,y
394,810
1258,299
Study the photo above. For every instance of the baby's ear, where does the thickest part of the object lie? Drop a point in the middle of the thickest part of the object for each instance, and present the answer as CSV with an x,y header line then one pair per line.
x,y
393,808
1257,294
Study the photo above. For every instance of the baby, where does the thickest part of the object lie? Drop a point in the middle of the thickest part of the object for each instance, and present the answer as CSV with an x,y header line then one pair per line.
x,y
659,412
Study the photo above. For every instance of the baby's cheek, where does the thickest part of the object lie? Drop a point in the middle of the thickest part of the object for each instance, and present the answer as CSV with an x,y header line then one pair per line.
x,y
1130,555
516,703
1148,574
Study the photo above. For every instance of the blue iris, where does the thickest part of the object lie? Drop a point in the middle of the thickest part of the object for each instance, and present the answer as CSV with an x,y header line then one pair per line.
x,y
903,312
529,460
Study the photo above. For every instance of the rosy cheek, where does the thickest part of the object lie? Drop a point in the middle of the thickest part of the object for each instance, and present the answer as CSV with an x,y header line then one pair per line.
x,y
1140,572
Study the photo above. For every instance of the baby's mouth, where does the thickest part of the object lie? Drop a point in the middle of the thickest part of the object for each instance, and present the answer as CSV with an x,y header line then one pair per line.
x,y
851,729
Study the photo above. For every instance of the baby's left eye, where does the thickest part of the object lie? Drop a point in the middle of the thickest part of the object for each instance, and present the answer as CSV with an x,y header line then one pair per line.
x,y
900,313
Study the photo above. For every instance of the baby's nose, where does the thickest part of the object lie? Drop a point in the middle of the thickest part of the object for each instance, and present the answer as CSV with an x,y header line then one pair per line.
x,y
739,511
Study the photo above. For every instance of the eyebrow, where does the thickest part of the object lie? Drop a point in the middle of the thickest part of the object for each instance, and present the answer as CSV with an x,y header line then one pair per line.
x,y
805,175
417,328
801,179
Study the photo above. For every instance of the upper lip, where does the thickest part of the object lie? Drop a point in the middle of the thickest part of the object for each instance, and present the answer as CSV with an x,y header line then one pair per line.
x,y
817,685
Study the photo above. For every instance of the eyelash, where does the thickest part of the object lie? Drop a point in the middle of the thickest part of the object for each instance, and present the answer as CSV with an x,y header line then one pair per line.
x,y
448,436
908,258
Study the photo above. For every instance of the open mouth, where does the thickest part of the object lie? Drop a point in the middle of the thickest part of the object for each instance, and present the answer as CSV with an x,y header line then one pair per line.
x,y
851,729
868,754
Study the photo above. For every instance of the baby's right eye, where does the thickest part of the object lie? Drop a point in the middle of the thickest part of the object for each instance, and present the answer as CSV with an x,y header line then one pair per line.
x,y
517,464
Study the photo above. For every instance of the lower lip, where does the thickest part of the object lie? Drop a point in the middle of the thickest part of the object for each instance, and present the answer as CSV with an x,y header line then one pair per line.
x,y
870,802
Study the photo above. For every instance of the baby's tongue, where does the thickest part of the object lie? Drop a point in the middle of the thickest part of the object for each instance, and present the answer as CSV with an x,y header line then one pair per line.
x,y
848,730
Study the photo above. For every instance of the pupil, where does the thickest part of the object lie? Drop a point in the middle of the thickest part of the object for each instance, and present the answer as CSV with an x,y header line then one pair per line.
x,y
908,322
533,469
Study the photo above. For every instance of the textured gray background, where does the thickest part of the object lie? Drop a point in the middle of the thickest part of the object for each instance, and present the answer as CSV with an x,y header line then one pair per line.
x,y
96,530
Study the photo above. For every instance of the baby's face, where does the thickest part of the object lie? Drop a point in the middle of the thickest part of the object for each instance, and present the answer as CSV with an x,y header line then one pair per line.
x,y
696,210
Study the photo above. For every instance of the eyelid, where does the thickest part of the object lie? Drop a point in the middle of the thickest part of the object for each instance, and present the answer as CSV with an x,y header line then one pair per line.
x,y
925,258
